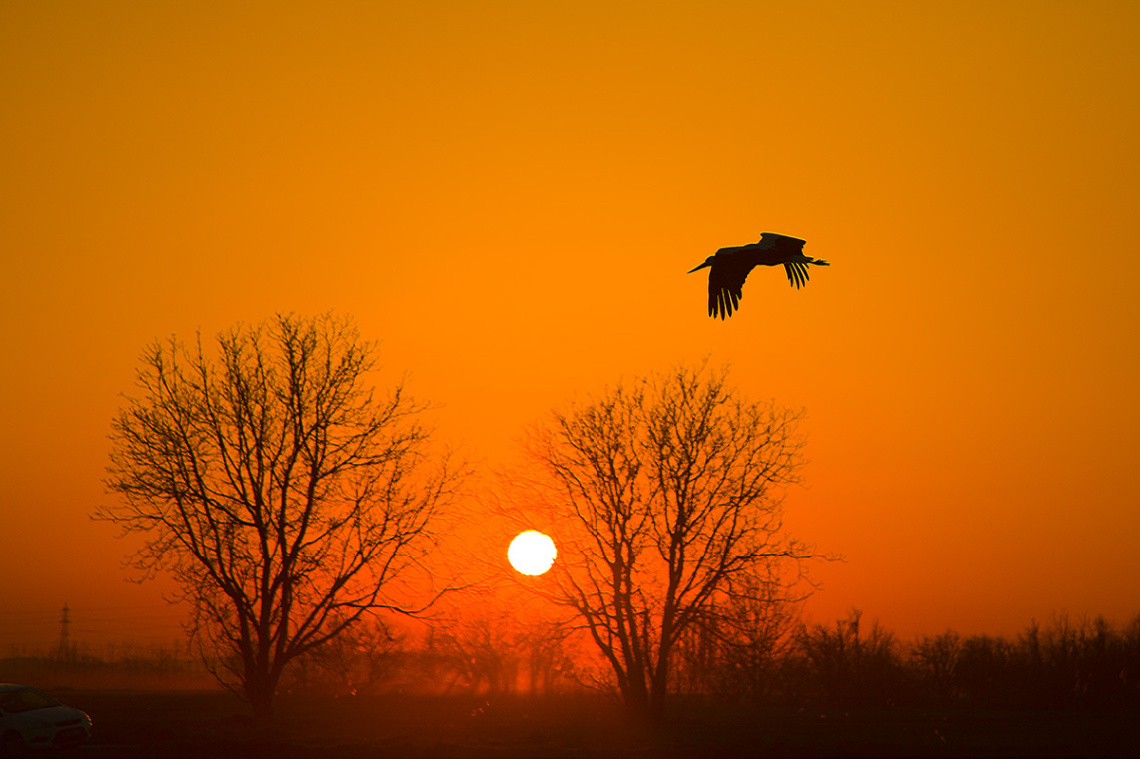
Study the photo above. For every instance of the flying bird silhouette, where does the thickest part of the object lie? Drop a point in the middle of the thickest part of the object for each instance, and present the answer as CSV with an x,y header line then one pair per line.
x,y
729,268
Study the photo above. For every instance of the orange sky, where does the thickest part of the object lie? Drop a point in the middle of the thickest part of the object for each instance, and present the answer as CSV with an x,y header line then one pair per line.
x,y
508,195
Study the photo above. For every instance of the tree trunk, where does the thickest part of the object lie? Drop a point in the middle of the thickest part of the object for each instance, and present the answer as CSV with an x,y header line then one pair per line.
x,y
659,676
657,691
637,702
259,690
635,694
657,708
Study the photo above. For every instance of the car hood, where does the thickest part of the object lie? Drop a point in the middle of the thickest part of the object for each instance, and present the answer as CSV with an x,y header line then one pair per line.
x,y
52,714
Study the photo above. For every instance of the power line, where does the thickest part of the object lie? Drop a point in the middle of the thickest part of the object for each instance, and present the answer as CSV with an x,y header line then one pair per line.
x,y
84,625
64,632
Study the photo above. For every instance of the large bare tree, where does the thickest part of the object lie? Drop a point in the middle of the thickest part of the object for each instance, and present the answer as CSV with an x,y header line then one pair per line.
x,y
671,489
282,492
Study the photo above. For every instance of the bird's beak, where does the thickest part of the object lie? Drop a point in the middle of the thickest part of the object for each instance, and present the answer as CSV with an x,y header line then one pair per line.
x,y
706,263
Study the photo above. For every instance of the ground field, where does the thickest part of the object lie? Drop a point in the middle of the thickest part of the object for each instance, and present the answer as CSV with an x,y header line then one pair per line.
x,y
215,724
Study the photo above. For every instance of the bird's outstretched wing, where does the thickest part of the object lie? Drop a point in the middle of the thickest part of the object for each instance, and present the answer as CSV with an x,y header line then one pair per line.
x,y
797,274
726,285
782,247
783,243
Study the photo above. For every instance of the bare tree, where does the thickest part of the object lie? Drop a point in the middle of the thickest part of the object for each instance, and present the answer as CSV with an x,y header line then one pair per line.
x,y
736,649
363,657
283,494
935,658
486,650
670,486
480,652
853,664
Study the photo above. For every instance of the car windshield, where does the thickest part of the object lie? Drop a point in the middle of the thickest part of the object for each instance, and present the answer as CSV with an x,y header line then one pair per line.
x,y
24,700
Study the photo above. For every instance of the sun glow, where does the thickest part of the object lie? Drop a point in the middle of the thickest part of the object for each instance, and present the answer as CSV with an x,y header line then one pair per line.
x,y
532,553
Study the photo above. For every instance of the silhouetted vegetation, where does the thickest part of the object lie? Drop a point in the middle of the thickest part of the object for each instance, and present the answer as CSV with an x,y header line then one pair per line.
x,y
1062,665
287,499
284,495
479,654
170,667
668,491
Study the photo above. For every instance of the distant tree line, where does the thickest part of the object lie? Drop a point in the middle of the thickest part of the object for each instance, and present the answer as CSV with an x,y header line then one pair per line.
x,y
1064,664
157,666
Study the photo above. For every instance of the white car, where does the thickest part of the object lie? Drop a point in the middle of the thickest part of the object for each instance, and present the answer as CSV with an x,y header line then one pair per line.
x,y
31,719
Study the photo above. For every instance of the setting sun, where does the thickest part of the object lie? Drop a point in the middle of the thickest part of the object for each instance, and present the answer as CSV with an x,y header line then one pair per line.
x,y
532,553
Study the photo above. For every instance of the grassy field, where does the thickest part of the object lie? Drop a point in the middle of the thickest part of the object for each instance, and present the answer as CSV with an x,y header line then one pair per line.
x,y
216,724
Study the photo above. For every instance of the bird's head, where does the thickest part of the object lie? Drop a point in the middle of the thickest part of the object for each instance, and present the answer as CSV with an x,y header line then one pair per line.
x,y
708,262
